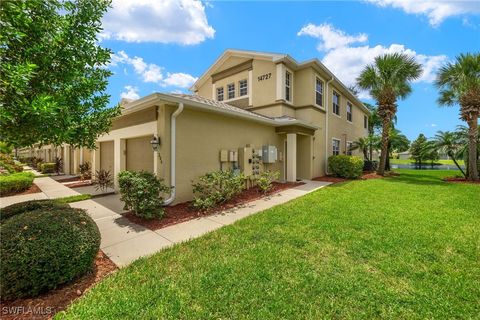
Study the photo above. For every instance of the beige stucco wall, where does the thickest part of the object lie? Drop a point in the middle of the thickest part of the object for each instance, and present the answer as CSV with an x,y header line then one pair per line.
x,y
264,91
106,155
139,154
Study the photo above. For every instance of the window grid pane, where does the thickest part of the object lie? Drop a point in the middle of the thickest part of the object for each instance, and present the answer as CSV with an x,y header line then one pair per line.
x,y
243,85
231,91
287,85
349,112
319,92
336,103
220,94
335,147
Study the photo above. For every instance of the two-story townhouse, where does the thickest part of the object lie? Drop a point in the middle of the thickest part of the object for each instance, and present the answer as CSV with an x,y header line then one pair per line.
x,y
250,111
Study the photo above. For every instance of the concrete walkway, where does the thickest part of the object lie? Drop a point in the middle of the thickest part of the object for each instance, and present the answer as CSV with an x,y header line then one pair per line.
x,y
124,241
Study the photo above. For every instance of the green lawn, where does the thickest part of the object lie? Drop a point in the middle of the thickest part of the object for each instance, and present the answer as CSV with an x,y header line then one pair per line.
x,y
409,161
402,247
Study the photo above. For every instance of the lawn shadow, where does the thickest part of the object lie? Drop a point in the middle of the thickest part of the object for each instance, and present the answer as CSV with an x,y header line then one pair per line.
x,y
417,179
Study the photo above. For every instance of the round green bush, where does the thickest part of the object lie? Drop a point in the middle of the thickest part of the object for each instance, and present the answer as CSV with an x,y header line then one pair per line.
x,y
22,207
44,248
344,166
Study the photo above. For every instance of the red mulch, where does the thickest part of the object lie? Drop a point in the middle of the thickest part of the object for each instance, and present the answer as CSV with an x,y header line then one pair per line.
x,y
46,305
460,180
79,184
33,189
183,211
365,176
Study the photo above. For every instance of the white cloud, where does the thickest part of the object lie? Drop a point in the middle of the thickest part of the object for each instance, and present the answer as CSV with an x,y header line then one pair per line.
x,y
131,93
347,61
436,11
330,38
164,21
181,80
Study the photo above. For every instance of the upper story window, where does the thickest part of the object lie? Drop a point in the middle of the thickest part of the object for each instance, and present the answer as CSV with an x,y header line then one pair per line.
x,y
335,147
349,148
220,94
231,91
319,92
288,86
243,86
365,122
336,103
349,112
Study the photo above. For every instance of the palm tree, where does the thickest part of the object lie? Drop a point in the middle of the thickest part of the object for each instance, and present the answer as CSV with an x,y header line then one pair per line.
x,y
388,79
397,141
459,83
448,143
362,144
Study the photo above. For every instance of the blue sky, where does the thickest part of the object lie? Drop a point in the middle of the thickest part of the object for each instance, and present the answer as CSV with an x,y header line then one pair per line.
x,y
163,46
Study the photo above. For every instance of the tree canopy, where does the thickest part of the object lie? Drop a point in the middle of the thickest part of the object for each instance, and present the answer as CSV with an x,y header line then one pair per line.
x,y
53,73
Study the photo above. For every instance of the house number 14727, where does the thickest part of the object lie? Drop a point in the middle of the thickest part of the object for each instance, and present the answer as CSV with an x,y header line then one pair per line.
x,y
265,76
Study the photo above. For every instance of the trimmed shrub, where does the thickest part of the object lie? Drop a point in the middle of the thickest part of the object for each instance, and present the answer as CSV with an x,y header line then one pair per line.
x,y
344,166
142,193
266,179
216,187
22,207
44,248
370,165
15,182
8,165
47,167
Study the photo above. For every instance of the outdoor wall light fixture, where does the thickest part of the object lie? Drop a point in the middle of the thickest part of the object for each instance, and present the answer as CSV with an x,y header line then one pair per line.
x,y
155,142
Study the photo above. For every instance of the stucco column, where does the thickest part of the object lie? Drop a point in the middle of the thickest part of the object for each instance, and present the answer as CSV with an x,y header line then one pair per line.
x,y
66,159
119,157
291,157
81,155
75,161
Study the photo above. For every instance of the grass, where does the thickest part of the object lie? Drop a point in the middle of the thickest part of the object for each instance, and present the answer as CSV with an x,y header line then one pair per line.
x,y
409,161
74,198
404,247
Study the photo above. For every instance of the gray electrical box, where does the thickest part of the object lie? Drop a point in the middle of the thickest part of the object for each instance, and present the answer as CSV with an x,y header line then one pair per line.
x,y
269,154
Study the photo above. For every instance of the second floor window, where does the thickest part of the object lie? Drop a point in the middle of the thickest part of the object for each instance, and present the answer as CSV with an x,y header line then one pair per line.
x,y
336,103
220,94
335,147
365,122
288,86
319,92
231,91
349,111
243,86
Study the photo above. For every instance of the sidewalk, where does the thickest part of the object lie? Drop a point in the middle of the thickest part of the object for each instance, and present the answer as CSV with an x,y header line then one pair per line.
x,y
124,241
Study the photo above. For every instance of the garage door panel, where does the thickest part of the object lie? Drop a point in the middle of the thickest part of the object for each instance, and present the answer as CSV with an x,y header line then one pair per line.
x,y
139,154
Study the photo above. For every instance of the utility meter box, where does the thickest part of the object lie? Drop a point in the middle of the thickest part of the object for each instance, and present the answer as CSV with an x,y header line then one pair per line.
x,y
269,154
233,156
223,155
245,160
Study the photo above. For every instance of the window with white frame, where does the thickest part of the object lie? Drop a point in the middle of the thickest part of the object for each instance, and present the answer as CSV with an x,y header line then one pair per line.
x,y
288,86
365,122
231,91
336,103
220,94
319,92
349,112
243,87
335,147
349,148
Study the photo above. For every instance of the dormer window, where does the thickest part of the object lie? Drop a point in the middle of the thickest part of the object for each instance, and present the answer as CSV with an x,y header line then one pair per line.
x,y
231,91
220,94
243,87
288,86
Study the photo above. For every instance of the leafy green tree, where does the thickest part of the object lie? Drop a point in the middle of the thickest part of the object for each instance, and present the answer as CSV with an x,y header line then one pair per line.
x,y
459,83
388,79
448,143
417,147
53,73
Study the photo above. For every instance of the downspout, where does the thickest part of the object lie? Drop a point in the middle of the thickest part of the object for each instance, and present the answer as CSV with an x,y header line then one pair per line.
x,y
326,125
173,148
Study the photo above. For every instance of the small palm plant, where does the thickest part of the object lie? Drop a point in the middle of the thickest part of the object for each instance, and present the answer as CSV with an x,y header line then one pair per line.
x,y
388,79
448,143
459,83
103,180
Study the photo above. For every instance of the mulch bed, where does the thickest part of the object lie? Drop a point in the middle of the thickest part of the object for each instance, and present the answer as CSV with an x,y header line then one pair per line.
x,y
365,176
46,305
460,180
184,212
78,184
71,179
33,189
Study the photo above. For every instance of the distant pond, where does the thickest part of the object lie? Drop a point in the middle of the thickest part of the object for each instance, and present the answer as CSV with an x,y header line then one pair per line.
x,y
426,166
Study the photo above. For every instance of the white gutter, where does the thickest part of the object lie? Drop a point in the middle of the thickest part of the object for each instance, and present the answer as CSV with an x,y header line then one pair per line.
x,y
173,148
326,125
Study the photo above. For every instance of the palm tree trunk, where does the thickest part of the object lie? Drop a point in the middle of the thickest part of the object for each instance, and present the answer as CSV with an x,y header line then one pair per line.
x,y
456,163
384,153
472,147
